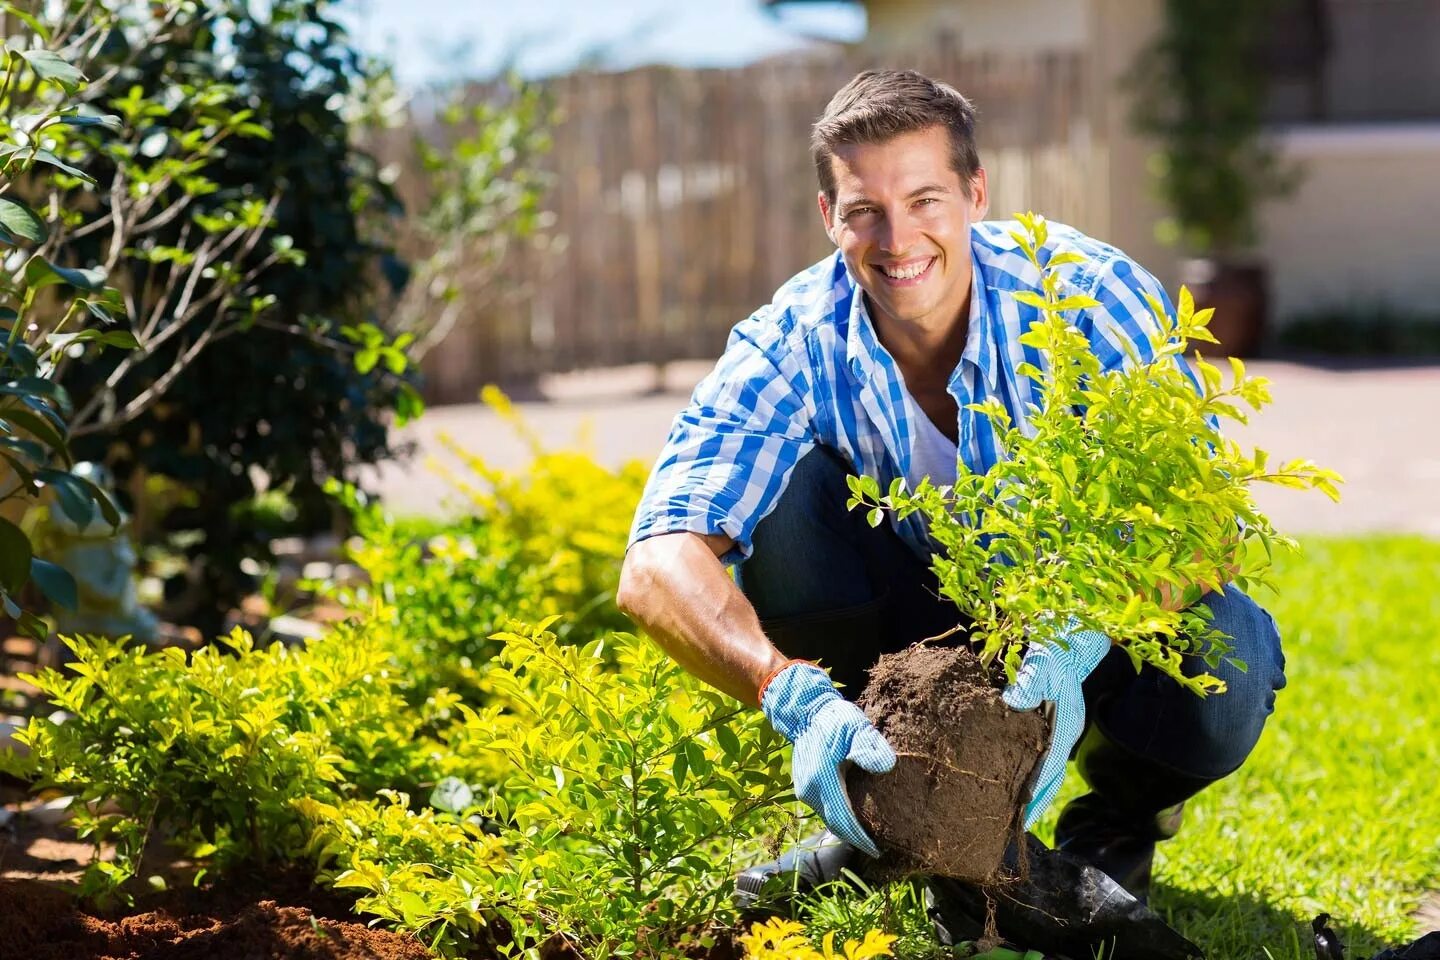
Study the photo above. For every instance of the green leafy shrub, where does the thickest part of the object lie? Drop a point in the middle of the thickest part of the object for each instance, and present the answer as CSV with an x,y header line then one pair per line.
x,y
211,754
44,295
472,175
1364,331
1200,92
1095,518
627,789
532,544
241,275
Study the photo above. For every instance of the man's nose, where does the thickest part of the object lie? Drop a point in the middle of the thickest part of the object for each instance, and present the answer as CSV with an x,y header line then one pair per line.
x,y
900,234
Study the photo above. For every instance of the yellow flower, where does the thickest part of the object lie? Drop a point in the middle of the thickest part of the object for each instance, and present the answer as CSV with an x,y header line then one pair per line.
x,y
778,939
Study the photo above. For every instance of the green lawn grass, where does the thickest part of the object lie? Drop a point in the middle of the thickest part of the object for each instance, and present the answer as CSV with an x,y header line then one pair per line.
x,y
1338,809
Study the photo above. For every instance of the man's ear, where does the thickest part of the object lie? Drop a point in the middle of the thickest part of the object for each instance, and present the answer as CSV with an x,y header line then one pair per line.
x,y
825,217
979,195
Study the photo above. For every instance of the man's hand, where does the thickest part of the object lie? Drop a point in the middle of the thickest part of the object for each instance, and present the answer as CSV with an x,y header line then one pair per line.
x,y
1054,672
829,732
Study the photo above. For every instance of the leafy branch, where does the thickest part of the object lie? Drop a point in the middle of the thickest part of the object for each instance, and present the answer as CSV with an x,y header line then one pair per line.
x,y
1119,491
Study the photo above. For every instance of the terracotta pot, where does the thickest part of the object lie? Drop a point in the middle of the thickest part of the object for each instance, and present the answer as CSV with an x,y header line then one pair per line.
x,y
1239,293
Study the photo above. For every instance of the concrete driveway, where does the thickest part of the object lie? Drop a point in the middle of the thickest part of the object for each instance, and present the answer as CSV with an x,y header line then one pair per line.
x,y
1380,427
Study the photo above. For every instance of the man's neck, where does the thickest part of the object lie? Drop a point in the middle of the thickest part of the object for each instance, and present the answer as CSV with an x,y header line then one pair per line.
x,y
927,352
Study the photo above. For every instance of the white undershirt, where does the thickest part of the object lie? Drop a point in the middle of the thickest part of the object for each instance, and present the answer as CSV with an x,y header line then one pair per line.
x,y
933,454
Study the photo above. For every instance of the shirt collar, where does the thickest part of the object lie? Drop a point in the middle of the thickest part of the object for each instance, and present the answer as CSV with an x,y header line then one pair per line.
x,y
980,347
862,346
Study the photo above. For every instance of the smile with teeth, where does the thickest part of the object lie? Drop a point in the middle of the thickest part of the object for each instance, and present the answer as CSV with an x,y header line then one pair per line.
x,y
907,271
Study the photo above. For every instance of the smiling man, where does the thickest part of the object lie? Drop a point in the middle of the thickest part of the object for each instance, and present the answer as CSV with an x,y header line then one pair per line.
x,y
868,362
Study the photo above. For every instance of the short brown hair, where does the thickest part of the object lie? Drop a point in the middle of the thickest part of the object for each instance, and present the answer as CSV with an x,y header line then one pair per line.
x,y
879,105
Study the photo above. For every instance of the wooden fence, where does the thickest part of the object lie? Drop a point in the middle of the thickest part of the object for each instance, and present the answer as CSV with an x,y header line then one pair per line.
x,y
683,198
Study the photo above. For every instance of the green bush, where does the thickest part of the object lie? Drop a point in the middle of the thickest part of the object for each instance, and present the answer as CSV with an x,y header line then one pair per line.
x,y
587,790
626,791
533,544
47,122
1098,520
1364,332
211,754
261,376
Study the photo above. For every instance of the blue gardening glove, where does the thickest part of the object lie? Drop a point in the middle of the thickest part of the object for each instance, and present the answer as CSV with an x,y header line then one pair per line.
x,y
828,732
1052,672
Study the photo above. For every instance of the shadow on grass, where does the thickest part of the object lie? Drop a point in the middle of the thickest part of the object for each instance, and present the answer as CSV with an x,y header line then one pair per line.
x,y
1243,927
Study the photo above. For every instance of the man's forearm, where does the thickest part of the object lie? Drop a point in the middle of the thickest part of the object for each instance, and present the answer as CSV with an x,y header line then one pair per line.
x,y
677,590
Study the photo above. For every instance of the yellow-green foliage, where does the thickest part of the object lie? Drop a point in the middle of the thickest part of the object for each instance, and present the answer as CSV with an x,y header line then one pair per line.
x,y
567,514
630,790
1086,518
537,543
581,787
213,752
427,872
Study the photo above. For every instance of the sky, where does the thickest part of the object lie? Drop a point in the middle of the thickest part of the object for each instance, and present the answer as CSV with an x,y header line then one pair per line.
x,y
438,40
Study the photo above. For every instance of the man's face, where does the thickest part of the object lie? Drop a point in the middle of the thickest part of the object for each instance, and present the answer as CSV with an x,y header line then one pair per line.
x,y
902,222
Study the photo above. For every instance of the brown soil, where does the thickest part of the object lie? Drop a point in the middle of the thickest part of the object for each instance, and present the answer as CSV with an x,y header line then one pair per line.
x,y
41,922
964,761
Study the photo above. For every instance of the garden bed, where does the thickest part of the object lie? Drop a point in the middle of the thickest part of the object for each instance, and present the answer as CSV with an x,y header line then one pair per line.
x,y
281,919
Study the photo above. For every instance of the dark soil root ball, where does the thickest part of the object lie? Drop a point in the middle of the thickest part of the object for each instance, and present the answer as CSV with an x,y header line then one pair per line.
x,y
964,763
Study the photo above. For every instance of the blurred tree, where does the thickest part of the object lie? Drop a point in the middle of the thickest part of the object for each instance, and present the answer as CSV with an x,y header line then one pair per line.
x,y
1200,91
285,400
484,188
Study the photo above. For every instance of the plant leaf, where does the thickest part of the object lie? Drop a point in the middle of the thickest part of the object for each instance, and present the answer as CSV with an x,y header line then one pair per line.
x,y
43,429
49,65
40,272
29,19
44,156
107,120
15,554
55,582
75,500
19,220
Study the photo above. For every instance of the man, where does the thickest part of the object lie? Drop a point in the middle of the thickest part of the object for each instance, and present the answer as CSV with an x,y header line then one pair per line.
x,y
865,363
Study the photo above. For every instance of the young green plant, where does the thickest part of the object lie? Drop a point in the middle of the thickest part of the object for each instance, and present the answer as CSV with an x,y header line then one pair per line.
x,y
1119,494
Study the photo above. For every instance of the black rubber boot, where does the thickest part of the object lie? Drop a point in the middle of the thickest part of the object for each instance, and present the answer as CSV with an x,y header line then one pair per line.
x,y
1133,803
767,887
1064,908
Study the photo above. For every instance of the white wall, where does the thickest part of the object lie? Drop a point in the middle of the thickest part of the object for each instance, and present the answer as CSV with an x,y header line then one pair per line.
x,y
1363,228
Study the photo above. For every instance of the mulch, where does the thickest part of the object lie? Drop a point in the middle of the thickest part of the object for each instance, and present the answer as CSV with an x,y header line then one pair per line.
x,y
283,919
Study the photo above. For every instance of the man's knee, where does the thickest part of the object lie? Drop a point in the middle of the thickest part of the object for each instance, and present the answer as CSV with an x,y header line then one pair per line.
x,y
1208,736
1226,727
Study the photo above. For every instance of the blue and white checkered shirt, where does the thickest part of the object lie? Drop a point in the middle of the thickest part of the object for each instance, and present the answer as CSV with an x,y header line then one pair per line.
x,y
808,369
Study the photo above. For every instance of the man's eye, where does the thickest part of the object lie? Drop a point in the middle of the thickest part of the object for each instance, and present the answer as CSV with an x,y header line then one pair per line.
x,y
926,201
858,212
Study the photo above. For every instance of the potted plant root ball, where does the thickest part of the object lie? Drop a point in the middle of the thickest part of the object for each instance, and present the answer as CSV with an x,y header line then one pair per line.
x,y
964,761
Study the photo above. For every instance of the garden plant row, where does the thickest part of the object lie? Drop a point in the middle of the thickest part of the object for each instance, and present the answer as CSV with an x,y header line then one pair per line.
x,y
477,752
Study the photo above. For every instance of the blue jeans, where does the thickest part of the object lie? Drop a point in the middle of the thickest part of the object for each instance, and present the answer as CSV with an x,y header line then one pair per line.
x,y
829,587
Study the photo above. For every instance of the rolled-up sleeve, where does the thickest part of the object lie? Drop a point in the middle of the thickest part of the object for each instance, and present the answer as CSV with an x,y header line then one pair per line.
x,y
731,451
